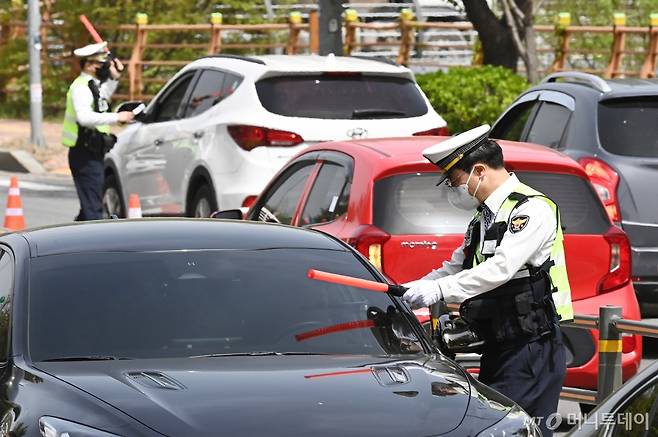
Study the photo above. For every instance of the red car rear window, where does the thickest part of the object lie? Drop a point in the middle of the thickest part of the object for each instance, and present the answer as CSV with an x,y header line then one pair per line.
x,y
412,204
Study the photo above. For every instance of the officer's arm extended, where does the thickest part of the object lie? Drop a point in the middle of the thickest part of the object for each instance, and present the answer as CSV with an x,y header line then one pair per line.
x,y
83,101
532,245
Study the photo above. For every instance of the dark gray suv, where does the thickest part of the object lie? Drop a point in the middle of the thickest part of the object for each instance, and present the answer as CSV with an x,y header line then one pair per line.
x,y
611,128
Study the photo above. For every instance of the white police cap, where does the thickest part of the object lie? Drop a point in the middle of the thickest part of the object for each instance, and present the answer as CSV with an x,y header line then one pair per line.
x,y
96,51
449,152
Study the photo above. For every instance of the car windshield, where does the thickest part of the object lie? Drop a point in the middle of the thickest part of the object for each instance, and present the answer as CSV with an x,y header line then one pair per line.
x,y
341,96
412,204
628,126
190,303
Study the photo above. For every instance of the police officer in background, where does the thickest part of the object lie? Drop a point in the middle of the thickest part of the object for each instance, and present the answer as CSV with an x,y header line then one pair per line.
x,y
87,123
509,275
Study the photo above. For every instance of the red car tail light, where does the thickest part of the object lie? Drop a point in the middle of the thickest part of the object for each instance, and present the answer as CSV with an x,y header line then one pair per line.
x,y
437,131
248,201
250,137
627,343
368,240
606,182
619,273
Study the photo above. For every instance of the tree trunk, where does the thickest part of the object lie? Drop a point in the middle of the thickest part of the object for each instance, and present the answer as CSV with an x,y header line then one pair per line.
x,y
531,62
497,43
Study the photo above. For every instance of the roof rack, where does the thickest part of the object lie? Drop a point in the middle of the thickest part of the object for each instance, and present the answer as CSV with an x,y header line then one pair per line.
x,y
581,78
383,59
237,57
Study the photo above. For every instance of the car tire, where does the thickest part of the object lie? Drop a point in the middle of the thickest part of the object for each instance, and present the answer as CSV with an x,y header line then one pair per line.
x,y
203,203
112,198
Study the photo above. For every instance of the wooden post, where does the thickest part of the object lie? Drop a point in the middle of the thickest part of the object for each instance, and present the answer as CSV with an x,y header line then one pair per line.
x,y
215,33
135,65
618,44
351,17
4,32
406,36
562,48
649,67
314,29
294,20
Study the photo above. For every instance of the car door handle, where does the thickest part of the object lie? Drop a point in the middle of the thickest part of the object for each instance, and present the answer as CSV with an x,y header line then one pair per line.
x,y
198,134
158,142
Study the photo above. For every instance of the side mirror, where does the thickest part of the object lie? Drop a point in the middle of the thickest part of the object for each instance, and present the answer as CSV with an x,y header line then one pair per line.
x,y
137,107
229,214
128,106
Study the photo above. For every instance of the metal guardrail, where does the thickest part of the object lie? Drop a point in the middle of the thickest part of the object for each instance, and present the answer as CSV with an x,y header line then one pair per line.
x,y
611,326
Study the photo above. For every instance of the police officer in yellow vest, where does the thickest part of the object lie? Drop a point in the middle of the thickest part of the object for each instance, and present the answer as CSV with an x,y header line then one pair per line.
x,y
87,123
509,275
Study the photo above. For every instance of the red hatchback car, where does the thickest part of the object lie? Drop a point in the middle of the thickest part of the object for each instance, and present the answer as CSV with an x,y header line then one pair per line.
x,y
381,196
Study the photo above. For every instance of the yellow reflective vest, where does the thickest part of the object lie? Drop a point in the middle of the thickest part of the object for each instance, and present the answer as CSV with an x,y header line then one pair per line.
x,y
70,127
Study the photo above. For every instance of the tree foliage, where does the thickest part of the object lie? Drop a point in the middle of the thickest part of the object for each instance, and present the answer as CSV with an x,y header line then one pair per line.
x,y
468,97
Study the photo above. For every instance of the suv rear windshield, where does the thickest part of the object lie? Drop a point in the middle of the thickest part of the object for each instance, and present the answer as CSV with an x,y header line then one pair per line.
x,y
349,96
412,204
628,126
189,303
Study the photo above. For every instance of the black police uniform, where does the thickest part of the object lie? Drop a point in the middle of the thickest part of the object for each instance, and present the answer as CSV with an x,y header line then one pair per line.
x,y
523,357
86,163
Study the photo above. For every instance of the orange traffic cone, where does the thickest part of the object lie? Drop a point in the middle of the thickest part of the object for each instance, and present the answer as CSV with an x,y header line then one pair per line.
x,y
134,208
14,220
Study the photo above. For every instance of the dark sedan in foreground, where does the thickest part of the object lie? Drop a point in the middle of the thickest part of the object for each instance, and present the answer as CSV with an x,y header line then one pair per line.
x,y
194,327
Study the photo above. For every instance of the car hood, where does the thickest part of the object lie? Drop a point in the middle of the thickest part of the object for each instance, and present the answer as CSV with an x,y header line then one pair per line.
x,y
318,395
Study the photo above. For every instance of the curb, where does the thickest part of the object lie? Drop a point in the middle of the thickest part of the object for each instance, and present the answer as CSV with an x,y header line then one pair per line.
x,y
20,161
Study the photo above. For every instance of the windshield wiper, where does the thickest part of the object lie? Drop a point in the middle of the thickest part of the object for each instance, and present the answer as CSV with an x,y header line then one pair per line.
x,y
373,112
87,358
256,354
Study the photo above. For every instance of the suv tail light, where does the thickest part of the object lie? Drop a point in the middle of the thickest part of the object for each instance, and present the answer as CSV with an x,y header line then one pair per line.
x,y
619,273
440,131
250,137
605,181
368,240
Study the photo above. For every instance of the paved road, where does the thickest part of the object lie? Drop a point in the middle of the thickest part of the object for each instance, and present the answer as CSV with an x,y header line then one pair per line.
x,y
47,200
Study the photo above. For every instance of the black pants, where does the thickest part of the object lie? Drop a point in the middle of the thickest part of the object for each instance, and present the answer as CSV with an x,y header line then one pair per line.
x,y
88,176
531,375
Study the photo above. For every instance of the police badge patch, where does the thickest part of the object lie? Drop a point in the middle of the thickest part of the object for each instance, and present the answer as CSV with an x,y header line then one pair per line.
x,y
518,223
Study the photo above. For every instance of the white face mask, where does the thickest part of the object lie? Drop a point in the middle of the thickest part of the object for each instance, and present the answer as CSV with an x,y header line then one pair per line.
x,y
459,197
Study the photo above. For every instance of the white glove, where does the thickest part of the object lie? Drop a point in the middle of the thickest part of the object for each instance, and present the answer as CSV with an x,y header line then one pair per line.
x,y
422,293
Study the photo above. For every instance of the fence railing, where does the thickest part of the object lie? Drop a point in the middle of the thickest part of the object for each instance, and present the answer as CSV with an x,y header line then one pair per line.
x,y
410,39
417,44
290,44
140,45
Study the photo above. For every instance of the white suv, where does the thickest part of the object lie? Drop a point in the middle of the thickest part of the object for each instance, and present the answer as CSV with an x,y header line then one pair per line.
x,y
223,125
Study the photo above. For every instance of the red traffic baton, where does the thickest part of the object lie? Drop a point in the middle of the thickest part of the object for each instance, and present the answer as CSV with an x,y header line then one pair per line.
x,y
90,28
381,287
94,35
